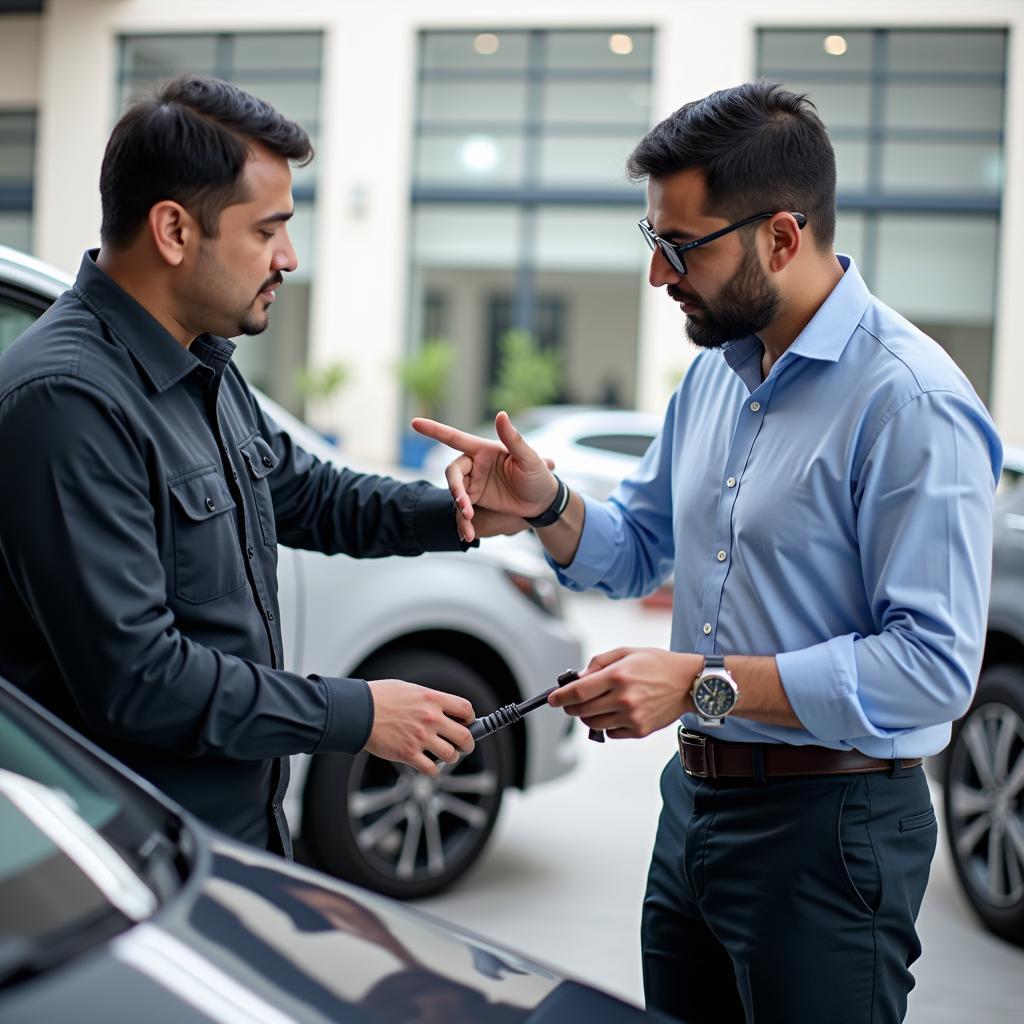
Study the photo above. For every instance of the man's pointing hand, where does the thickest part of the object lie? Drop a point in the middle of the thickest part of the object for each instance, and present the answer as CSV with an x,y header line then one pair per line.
x,y
505,476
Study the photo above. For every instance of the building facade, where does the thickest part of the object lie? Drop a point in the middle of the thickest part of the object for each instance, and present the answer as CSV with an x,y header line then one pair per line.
x,y
469,178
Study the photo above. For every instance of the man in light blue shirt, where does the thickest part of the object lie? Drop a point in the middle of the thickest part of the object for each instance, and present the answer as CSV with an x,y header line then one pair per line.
x,y
822,489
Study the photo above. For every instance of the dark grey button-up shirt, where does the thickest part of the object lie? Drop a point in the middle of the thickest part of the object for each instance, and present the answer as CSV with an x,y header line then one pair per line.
x,y
144,496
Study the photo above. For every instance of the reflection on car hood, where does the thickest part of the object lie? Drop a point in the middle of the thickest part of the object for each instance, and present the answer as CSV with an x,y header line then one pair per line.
x,y
303,943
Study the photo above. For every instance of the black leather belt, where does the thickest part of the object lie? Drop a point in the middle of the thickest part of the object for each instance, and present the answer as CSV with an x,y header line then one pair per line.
x,y
705,758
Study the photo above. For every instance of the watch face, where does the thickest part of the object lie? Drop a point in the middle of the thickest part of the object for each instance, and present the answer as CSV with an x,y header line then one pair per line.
x,y
714,697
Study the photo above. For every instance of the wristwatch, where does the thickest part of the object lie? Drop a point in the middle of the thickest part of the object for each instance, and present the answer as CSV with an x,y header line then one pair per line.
x,y
554,511
715,691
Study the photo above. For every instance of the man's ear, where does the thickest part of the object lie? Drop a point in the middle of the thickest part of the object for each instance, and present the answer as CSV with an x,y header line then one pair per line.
x,y
786,239
173,231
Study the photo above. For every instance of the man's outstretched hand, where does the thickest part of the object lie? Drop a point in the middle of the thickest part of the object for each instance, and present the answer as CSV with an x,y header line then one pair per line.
x,y
505,476
410,721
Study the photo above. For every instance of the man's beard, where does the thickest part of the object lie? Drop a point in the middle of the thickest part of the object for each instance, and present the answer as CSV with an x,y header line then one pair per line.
x,y
745,305
217,286
254,323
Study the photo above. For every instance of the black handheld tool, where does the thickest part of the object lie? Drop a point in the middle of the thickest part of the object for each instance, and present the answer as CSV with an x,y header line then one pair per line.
x,y
512,713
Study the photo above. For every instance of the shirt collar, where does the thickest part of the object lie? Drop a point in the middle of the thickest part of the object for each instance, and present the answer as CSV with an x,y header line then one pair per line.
x,y
824,338
160,356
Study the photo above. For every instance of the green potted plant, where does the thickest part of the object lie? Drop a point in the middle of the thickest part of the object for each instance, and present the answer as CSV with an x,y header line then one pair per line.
x,y
425,376
527,374
322,384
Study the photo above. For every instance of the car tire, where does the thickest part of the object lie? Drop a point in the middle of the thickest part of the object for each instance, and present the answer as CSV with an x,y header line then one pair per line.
x,y
983,783
380,824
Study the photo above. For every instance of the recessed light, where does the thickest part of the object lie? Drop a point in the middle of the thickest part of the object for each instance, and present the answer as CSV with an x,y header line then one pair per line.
x,y
620,43
486,43
835,45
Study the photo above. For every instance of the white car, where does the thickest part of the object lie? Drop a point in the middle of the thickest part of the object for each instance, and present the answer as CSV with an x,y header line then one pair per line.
x,y
593,447
486,625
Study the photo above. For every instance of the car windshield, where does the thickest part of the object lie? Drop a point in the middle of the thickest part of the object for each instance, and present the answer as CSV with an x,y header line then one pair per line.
x,y
84,854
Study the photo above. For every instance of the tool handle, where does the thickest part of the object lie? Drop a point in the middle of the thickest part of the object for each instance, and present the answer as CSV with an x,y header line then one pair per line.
x,y
570,677
496,720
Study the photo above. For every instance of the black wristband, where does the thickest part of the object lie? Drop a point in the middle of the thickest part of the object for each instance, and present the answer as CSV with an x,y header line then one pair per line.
x,y
554,511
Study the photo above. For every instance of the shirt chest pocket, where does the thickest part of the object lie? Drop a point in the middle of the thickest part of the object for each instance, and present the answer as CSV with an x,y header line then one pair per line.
x,y
261,461
207,555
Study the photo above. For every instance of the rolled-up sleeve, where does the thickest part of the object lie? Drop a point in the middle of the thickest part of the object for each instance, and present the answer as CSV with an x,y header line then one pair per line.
x,y
924,495
85,561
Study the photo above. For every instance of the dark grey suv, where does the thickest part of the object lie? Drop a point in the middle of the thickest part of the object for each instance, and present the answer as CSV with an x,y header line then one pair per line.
x,y
982,769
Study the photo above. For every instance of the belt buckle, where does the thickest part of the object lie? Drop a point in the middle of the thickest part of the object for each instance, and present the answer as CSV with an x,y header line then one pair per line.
x,y
690,740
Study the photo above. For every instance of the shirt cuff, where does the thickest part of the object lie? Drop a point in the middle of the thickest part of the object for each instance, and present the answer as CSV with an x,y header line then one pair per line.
x,y
821,684
349,715
596,549
433,521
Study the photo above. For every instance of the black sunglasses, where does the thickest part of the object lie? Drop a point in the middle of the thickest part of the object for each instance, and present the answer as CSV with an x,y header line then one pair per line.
x,y
674,253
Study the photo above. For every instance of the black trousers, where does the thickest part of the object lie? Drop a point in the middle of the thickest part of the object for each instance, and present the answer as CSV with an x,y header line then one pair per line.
x,y
787,902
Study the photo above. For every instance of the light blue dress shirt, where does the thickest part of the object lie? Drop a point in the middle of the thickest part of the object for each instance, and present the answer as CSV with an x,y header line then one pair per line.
x,y
836,514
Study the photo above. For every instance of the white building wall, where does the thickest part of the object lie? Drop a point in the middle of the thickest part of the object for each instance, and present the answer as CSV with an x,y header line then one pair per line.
x,y
360,298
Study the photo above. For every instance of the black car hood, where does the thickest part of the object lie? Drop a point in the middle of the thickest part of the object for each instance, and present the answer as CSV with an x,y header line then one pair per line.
x,y
253,939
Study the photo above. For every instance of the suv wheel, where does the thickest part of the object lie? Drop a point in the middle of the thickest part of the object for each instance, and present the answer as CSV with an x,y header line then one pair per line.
x,y
388,828
984,801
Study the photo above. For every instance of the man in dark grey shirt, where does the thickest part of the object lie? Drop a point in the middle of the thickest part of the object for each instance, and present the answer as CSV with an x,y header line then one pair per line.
x,y
146,491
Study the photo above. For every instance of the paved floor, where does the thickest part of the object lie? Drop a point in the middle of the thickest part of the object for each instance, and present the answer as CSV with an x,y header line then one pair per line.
x,y
564,875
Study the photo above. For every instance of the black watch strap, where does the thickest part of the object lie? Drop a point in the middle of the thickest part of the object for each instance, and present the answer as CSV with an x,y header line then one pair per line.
x,y
554,511
713,661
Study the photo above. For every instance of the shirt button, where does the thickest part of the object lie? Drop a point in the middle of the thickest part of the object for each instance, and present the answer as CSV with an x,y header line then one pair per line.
x,y
731,482
270,615
267,461
234,476
721,556
707,629
249,551
754,406
211,504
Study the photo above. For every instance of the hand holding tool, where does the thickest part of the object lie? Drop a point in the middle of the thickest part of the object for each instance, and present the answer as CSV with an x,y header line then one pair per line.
x,y
512,713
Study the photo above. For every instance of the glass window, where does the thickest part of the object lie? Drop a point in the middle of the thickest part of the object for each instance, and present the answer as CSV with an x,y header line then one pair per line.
x,y
287,52
470,160
448,102
466,236
851,229
609,50
958,105
16,229
852,164
14,317
17,173
598,103
806,51
579,161
938,268
151,58
621,444
950,51
473,51
839,104
943,167
533,122
589,238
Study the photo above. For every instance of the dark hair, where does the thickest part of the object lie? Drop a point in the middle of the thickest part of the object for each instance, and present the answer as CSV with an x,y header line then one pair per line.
x,y
188,142
759,146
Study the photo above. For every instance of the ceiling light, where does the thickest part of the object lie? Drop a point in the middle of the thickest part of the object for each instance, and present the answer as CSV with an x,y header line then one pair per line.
x,y
478,154
486,43
835,45
620,43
